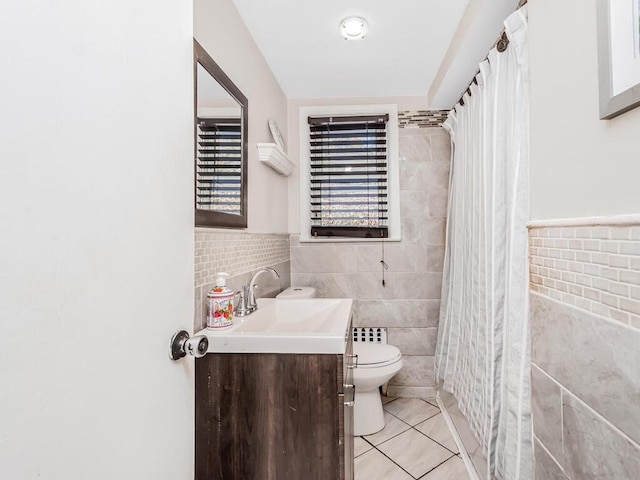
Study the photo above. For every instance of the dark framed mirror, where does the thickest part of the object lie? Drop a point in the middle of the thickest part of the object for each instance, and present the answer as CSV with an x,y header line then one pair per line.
x,y
220,153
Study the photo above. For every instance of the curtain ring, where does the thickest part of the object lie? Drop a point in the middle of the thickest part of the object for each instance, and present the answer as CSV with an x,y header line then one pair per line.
x,y
503,43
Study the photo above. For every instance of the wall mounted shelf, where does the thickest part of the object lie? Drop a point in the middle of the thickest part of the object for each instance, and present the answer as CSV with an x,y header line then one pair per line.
x,y
271,155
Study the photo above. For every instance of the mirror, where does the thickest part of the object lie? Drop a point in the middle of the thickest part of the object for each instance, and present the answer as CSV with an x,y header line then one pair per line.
x,y
221,114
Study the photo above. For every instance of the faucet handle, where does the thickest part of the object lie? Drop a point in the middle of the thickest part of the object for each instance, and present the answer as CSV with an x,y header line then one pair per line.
x,y
241,303
252,303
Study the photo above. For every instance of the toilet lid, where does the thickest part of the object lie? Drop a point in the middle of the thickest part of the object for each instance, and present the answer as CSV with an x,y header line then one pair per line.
x,y
375,353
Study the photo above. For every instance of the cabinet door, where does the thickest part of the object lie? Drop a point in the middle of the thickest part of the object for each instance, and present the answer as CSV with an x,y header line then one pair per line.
x,y
267,417
345,408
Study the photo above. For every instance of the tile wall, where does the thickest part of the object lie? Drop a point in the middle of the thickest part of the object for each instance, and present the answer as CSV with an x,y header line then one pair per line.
x,y
585,321
409,303
239,254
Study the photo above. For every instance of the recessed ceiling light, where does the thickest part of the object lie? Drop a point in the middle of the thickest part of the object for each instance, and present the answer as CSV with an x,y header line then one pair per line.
x,y
353,28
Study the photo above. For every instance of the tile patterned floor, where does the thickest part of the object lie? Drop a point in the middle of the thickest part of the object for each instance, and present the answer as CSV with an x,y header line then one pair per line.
x,y
414,444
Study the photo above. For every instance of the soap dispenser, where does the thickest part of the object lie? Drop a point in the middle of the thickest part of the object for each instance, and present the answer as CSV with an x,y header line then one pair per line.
x,y
220,304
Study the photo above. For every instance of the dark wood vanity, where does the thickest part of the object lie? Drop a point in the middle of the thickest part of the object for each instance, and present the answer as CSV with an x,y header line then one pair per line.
x,y
274,416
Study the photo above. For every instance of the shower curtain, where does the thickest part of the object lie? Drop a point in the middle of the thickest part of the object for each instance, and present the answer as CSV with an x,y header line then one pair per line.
x,y
483,353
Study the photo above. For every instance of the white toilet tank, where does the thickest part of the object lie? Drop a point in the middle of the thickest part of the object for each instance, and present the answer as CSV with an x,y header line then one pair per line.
x,y
297,292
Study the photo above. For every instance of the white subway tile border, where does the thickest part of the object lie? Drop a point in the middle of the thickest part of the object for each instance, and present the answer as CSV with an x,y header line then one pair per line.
x,y
593,267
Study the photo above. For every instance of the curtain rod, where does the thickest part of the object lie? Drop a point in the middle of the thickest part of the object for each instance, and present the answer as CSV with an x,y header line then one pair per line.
x,y
501,45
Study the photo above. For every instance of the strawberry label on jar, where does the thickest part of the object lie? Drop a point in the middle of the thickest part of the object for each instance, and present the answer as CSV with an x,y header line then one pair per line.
x,y
219,309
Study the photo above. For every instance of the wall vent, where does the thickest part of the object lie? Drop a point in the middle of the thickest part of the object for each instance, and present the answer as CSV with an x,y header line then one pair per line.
x,y
370,334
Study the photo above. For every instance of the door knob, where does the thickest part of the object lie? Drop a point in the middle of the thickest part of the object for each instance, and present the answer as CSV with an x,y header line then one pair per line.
x,y
181,345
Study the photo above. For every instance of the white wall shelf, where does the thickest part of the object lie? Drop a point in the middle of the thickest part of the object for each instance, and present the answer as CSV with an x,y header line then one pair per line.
x,y
271,155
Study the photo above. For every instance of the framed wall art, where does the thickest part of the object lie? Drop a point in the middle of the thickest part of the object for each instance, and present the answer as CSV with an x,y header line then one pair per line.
x,y
618,56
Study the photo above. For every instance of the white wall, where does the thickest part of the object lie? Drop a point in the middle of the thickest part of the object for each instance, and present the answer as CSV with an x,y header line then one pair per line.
x,y
404,103
580,165
477,31
96,239
220,30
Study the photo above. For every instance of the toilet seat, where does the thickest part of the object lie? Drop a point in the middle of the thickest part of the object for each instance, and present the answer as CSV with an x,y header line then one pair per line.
x,y
376,364
375,355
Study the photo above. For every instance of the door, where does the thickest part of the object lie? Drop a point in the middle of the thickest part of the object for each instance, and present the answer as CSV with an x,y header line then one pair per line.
x,y
96,240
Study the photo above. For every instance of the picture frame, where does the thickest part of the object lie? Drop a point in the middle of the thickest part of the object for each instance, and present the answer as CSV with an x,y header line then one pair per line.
x,y
618,56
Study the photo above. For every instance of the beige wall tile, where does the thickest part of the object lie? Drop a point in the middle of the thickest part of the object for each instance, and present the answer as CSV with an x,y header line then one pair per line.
x,y
416,176
593,449
437,202
397,313
417,371
414,146
417,285
412,392
399,257
324,258
424,231
546,410
435,258
416,203
414,341
314,280
440,146
546,468
593,358
359,286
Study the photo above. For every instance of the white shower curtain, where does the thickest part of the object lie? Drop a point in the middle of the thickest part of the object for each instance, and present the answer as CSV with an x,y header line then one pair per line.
x,y
482,355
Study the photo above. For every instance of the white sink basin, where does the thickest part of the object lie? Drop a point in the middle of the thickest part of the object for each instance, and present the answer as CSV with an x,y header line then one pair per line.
x,y
313,325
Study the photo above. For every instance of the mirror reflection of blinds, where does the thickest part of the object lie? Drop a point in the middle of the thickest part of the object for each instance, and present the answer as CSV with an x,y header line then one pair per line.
x,y
348,167
219,165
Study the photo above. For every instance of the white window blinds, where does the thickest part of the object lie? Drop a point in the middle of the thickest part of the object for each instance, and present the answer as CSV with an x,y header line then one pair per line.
x,y
219,165
349,176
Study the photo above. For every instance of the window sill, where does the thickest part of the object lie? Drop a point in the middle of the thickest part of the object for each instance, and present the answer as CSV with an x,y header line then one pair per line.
x,y
348,240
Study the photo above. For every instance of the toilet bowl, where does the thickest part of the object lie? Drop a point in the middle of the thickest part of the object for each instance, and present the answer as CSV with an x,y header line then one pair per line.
x,y
376,365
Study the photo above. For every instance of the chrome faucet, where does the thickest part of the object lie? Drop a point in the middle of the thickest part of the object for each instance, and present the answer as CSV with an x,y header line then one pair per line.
x,y
248,292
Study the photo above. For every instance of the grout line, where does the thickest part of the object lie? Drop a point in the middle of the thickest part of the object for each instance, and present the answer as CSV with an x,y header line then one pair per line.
x,y
394,462
613,322
411,427
362,437
385,441
390,401
544,447
562,394
372,447
404,421
433,439
437,466
433,404
600,417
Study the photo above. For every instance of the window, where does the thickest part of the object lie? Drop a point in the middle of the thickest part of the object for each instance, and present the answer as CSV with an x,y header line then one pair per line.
x,y
349,181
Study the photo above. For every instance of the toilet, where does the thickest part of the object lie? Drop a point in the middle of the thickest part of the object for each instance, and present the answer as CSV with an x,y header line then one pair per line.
x,y
376,364
296,292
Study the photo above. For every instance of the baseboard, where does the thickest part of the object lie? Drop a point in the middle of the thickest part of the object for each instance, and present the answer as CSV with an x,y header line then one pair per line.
x,y
471,469
411,392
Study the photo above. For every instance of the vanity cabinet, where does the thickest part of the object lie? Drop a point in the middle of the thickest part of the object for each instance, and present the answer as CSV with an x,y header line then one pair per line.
x,y
274,416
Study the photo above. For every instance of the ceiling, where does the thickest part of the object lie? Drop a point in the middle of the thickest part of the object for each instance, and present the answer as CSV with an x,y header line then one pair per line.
x,y
410,44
